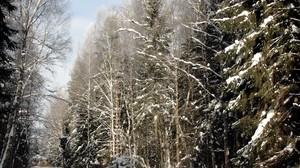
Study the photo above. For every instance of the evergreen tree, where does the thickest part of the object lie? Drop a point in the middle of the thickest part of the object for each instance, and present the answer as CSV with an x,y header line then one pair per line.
x,y
7,82
262,85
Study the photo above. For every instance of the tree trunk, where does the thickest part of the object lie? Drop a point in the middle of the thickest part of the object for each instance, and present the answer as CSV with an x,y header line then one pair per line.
x,y
226,146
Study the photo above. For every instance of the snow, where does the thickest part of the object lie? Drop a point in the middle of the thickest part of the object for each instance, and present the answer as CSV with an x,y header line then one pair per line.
x,y
240,46
231,47
218,106
44,167
240,43
244,13
226,69
266,21
233,103
295,29
232,79
127,161
252,35
296,105
241,73
197,149
263,113
184,118
286,100
140,97
256,59
230,8
150,46
258,134
261,126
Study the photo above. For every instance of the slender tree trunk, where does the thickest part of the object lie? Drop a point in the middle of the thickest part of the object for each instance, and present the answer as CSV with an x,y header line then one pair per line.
x,y
112,115
117,119
226,147
177,119
88,108
212,149
167,150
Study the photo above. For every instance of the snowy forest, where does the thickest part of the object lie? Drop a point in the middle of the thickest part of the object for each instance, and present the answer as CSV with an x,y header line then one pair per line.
x,y
156,84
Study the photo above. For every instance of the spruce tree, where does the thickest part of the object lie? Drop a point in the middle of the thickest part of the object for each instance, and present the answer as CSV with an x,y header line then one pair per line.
x,y
262,84
7,82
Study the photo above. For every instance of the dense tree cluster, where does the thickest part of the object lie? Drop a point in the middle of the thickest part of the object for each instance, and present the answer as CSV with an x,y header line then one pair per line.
x,y
158,83
187,84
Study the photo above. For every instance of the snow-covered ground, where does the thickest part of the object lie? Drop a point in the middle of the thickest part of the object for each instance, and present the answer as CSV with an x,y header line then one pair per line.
x,y
44,167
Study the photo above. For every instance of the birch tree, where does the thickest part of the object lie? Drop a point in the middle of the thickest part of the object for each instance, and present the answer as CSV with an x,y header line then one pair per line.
x,y
95,87
41,42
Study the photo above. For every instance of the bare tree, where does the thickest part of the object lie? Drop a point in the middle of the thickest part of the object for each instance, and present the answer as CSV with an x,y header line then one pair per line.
x,y
43,40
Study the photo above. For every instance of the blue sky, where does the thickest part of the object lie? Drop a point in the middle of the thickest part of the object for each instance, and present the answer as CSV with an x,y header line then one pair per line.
x,y
83,14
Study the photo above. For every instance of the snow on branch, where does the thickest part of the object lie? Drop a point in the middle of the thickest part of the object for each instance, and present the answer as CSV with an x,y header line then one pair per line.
x,y
137,23
133,31
156,58
257,136
266,21
59,98
198,10
187,157
198,41
197,80
279,157
237,5
238,44
200,30
196,65
242,14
